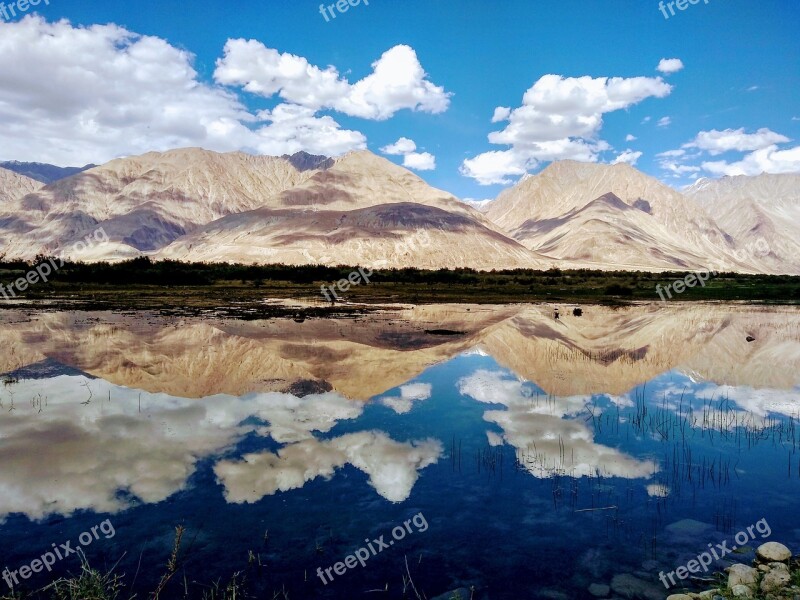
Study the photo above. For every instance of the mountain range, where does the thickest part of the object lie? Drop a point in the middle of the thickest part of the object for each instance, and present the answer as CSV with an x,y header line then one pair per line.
x,y
360,209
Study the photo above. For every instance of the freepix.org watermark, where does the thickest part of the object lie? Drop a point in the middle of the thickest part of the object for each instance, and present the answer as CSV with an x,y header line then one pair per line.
x,y
716,552
59,552
9,11
43,270
679,4
362,555
341,6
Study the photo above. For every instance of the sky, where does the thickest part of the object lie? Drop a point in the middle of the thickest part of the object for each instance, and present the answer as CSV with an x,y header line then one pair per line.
x,y
469,94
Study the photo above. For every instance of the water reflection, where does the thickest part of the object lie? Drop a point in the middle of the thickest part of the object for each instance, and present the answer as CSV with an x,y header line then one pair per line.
x,y
632,434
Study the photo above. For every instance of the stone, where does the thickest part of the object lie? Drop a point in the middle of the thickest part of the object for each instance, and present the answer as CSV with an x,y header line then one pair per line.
x,y
741,591
679,597
631,587
599,590
775,580
773,552
742,575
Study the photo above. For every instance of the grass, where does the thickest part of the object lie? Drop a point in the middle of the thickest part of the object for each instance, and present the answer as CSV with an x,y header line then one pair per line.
x,y
142,284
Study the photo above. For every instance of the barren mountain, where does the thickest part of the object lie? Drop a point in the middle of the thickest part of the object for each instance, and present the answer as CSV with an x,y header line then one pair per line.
x,y
389,235
611,215
145,202
762,213
14,186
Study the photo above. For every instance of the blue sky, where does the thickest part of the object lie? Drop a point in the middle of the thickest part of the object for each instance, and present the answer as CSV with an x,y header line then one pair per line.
x,y
73,95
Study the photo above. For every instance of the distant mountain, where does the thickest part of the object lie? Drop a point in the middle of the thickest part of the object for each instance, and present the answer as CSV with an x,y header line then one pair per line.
x,y
762,213
611,216
42,172
303,161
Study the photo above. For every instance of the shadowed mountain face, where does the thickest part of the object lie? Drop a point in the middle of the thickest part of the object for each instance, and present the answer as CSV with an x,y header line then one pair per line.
x,y
303,161
42,172
606,350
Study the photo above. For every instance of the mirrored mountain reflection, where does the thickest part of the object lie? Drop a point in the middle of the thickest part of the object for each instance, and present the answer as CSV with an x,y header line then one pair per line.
x,y
609,446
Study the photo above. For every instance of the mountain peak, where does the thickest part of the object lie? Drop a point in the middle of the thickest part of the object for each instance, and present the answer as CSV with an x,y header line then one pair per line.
x,y
303,161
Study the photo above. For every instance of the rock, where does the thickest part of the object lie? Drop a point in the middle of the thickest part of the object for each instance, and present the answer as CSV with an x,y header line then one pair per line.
x,y
628,586
679,597
709,595
773,552
775,580
598,590
777,565
763,568
742,575
741,591
750,338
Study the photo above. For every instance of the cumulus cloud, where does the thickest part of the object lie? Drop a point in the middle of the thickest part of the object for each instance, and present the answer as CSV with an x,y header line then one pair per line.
x,y
718,142
630,138
74,95
563,444
400,147
628,156
393,467
560,118
766,160
759,152
397,81
101,455
413,392
420,161
670,65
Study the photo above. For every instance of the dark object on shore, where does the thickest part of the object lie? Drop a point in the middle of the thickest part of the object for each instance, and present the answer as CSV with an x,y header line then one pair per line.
x,y
444,332
307,387
578,312
557,316
299,318
750,338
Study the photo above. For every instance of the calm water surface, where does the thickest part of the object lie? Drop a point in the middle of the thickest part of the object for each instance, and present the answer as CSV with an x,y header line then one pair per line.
x,y
491,447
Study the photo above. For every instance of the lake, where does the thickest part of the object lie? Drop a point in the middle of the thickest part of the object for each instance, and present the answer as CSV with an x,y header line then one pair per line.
x,y
403,453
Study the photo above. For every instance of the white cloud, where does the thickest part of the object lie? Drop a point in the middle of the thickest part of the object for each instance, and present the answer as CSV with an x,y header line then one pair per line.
x,y
629,156
563,444
110,92
393,467
413,392
73,95
664,121
420,161
630,138
670,65
752,88
401,146
71,457
560,118
501,113
405,147
717,142
397,81
765,160
671,153
293,128
760,154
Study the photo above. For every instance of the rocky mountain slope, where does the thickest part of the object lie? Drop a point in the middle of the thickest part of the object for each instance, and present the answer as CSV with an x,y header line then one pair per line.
x,y
14,186
761,213
609,215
